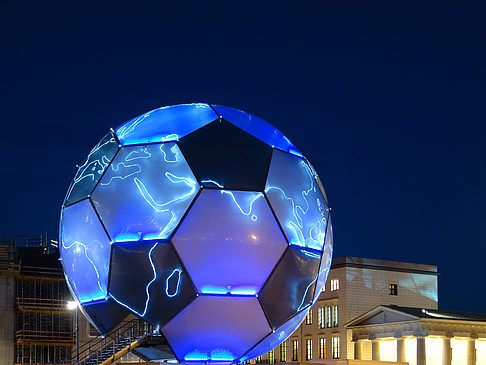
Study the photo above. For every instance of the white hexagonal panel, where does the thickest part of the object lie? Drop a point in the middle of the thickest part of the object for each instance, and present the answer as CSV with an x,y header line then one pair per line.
x,y
216,328
296,198
145,192
229,242
85,252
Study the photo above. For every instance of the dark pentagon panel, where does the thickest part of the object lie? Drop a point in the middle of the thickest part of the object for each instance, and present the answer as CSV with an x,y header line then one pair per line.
x,y
222,155
168,123
93,168
148,279
105,315
257,127
291,286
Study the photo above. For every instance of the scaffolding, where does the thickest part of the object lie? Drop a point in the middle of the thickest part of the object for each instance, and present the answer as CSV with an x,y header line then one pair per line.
x,y
44,330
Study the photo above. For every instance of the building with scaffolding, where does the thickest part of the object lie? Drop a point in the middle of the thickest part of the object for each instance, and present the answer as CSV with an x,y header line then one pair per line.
x,y
37,325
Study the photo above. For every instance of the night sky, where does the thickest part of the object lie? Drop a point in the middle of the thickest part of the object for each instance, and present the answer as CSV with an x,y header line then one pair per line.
x,y
386,99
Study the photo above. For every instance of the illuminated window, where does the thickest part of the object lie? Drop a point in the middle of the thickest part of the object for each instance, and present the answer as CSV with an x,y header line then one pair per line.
x,y
335,347
308,317
295,350
308,349
334,284
328,317
322,348
393,289
271,357
283,352
321,317
335,317
258,360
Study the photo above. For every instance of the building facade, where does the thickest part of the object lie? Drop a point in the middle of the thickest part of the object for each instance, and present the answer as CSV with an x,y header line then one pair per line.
x,y
419,336
354,286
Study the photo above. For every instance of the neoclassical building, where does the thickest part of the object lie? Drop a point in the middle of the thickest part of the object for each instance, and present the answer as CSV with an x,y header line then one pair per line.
x,y
419,336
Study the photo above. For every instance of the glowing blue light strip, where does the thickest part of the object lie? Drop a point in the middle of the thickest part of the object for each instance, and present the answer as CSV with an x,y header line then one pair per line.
x,y
214,291
177,272
235,292
212,182
92,300
250,208
243,292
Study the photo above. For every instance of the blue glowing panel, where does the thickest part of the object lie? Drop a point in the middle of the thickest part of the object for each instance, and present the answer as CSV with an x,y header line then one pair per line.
x,y
229,242
290,288
217,328
148,279
276,338
168,123
145,192
325,261
297,200
318,180
257,127
85,251
91,171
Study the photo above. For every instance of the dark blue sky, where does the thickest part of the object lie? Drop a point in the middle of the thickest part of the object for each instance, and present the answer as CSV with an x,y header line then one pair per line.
x,y
386,99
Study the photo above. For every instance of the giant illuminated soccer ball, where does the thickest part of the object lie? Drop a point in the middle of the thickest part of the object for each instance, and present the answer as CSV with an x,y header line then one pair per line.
x,y
203,220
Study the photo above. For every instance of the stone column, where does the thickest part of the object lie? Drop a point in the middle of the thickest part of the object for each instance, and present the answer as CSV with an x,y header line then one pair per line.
x,y
401,350
446,351
375,350
471,351
421,350
358,350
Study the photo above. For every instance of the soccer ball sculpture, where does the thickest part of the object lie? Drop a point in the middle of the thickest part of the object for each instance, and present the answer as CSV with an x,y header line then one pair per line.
x,y
203,220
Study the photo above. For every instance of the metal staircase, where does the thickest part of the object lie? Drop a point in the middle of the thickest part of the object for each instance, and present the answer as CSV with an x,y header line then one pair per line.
x,y
124,339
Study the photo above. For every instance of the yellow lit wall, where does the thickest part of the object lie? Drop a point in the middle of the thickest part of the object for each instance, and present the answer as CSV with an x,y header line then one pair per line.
x,y
411,351
481,351
433,351
459,351
367,347
388,350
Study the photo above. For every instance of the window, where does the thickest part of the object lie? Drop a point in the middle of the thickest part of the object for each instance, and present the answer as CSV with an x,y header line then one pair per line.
x,y
308,317
328,317
335,317
322,348
335,347
283,352
308,349
295,350
321,317
393,289
258,360
334,284
271,357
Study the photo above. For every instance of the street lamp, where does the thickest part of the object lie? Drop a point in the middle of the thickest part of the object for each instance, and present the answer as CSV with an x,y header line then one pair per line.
x,y
73,305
